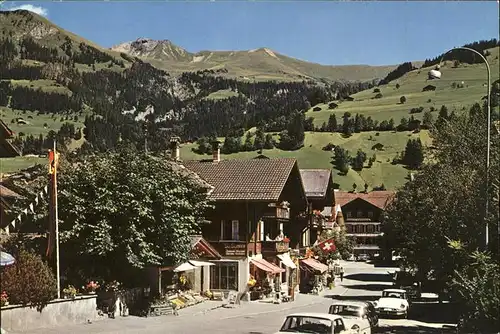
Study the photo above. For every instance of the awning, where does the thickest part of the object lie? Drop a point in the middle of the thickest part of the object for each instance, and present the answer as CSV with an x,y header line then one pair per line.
x,y
184,267
316,265
287,261
200,263
267,266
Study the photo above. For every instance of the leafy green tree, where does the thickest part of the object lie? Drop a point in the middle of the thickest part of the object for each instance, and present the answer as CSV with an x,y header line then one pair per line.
x,y
248,145
359,160
232,144
260,139
341,159
477,285
332,123
427,120
124,211
269,142
29,280
445,201
348,124
414,155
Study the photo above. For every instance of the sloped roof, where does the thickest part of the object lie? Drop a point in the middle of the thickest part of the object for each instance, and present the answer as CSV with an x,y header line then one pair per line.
x,y
315,181
5,129
380,199
252,179
7,193
199,241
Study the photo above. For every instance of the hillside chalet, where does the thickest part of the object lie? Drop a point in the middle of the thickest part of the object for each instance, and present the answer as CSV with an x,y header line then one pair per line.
x,y
362,213
260,212
429,88
7,149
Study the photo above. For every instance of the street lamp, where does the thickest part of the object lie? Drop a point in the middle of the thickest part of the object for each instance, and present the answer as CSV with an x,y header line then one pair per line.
x,y
436,74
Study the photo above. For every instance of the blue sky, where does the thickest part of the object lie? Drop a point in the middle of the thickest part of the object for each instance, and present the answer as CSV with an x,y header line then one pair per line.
x,y
336,33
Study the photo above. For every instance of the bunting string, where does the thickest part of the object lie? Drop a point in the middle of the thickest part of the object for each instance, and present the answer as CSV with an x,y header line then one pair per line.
x,y
27,211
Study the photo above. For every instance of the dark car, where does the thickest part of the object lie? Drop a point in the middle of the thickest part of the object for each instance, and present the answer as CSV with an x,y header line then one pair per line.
x,y
356,309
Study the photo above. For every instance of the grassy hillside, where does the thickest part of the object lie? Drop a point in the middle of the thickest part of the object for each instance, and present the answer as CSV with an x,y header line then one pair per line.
x,y
312,156
410,86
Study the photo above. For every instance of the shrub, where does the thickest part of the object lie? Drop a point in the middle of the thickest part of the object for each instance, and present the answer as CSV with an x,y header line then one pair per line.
x,y
378,96
376,90
29,281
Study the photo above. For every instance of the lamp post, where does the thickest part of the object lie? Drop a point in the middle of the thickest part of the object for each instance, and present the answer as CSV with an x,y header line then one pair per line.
x,y
436,74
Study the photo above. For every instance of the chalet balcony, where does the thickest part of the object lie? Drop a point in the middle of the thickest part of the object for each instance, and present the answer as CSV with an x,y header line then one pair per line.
x,y
276,212
360,220
241,248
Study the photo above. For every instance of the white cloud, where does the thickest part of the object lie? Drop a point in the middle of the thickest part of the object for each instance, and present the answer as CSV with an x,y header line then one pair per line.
x,y
35,9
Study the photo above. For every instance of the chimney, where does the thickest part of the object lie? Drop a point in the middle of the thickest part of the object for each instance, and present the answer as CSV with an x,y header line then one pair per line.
x,y
174,148
216,151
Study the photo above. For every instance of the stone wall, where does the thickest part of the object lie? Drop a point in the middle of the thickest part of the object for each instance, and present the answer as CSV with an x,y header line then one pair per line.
x,y
58,312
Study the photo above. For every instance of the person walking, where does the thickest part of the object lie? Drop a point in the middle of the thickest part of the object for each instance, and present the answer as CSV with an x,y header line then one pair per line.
x,y
341,274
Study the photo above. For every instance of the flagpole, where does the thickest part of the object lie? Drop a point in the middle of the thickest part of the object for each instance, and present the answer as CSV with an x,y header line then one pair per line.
x,y
56,222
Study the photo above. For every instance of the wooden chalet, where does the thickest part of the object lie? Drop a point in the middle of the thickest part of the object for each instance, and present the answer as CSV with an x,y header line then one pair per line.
x,y
319,188
7,197
362,213
429,88
7,149
260,212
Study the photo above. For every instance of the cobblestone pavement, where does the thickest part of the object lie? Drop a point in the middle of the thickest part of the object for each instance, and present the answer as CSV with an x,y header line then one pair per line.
x,y
362,282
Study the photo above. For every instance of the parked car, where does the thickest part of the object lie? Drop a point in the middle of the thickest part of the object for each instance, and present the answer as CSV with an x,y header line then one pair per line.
x,y
363,257
315,323
393,302
356,314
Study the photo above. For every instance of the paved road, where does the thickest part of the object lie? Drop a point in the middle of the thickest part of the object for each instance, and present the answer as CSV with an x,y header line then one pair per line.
x,y
361,281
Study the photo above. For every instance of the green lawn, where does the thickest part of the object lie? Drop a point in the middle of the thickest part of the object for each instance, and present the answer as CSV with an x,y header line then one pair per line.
x,y
35,122
411,84
11,165
222,94
312,156
45,85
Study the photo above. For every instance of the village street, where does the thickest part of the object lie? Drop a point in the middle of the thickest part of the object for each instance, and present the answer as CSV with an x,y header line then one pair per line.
x,y
362,281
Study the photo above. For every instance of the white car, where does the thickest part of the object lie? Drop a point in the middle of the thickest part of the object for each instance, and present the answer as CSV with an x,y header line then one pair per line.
x,y
314,323
393,302
358,316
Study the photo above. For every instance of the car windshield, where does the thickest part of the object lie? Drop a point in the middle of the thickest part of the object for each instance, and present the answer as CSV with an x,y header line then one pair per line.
x,y
345,310
304,324
393,294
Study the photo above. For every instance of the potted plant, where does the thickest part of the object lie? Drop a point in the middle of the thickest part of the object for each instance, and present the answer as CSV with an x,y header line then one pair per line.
x,y
91,287
4,299
113,286
69,292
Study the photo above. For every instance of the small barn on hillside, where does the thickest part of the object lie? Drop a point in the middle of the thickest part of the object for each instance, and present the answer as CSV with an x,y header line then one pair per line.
x,y
429,88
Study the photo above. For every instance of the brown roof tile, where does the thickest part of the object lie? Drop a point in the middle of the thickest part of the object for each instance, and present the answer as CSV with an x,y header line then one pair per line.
x,y
252,179
315,181
380,199
7,193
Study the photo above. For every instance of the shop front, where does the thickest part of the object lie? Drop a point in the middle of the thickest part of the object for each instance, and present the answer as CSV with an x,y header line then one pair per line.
x,y
313,278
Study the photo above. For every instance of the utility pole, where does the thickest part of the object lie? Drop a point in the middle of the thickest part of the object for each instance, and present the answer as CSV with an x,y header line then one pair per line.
x,y
54,219
56,223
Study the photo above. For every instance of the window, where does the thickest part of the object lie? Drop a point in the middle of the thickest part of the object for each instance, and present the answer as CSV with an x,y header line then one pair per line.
x,y
370,214
283,274
349,214
224,276
230,230
359,214
370,229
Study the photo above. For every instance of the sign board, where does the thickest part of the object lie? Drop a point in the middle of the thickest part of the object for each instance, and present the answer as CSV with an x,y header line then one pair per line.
x,y
233,249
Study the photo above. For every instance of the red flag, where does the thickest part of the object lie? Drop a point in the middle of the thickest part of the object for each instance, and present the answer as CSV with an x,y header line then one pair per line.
x,y
327,245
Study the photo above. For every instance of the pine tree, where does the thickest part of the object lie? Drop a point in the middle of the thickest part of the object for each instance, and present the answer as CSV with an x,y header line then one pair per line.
x,y
332,123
